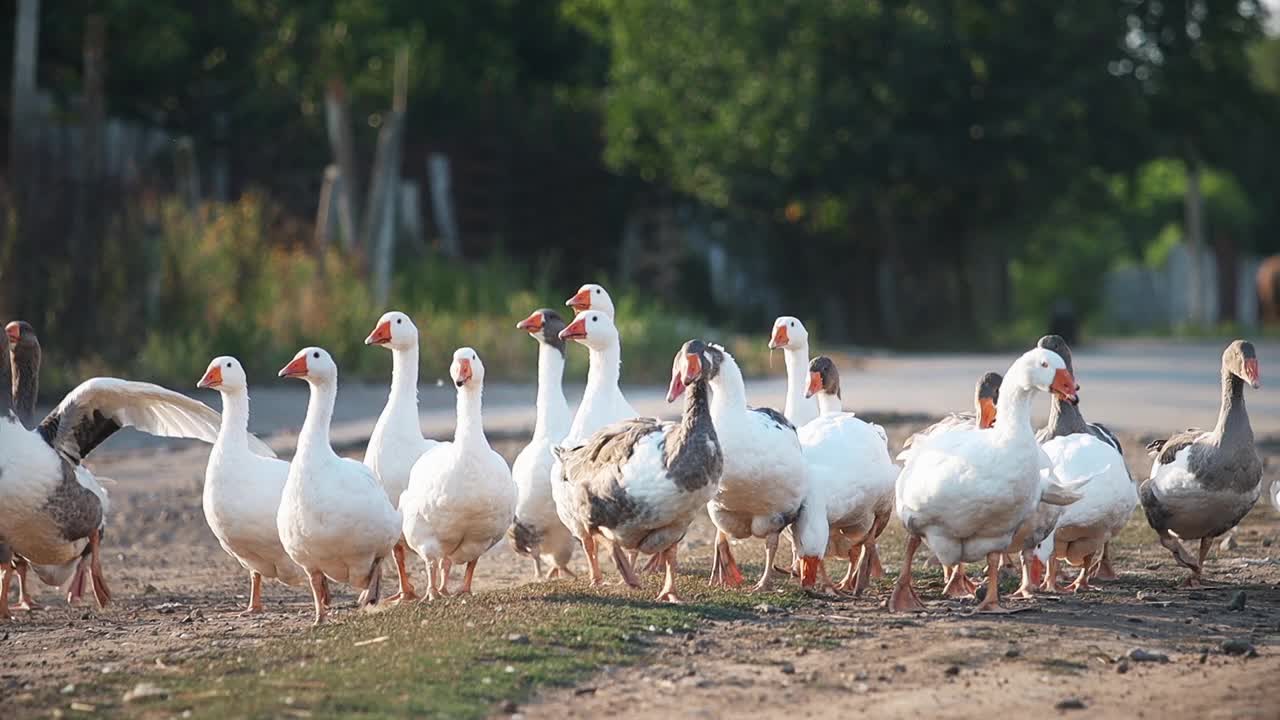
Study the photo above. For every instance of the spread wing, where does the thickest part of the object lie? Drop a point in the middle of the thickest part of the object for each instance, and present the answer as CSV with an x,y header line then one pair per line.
x,y
595,466
96,409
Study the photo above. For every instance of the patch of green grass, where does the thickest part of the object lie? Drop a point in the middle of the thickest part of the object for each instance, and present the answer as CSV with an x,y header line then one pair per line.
x,y
456,658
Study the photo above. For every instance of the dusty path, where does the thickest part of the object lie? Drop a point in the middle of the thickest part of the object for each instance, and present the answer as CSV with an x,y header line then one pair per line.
x,y
178,596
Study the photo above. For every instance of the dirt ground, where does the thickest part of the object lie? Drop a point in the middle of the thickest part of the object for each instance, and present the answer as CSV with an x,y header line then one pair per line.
x,y
177,596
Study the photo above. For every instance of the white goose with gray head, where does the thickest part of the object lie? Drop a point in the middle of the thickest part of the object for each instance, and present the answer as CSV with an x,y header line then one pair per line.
x,y
640,482
851,481
790,336
460,499
242,488
51,507
1084,458
335,520
1202,484
967,492
537,531
397,441
765,476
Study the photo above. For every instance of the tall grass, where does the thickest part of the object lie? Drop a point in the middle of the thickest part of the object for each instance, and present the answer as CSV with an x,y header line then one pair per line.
x,y
228,284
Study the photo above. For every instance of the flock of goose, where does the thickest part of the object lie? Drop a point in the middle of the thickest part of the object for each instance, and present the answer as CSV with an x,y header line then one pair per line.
x,y
980,485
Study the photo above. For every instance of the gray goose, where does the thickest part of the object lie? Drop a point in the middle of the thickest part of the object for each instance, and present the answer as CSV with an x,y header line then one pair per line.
x,y
52,508
1202,484
640,482
1065,419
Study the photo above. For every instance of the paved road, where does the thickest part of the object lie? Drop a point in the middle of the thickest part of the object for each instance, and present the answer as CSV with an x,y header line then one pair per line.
x,y
1138,385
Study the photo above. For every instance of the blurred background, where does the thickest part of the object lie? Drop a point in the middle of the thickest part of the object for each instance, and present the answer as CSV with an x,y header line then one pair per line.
x,y
183,180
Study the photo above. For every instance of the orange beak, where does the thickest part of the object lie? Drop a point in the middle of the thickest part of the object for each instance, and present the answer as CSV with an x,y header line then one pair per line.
x,y
381,335
815,384
15,333
464,373
987,413
577,329
780,338
1251,372
809,571
681,379
581,301
531,324
1064,385
212,378
296,368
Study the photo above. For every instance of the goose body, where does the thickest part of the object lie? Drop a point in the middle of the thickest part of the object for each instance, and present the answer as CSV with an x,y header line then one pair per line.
x,y
242,489
335,520
851,483
765,477
537,530
967,492
641,482
460,499
1202,484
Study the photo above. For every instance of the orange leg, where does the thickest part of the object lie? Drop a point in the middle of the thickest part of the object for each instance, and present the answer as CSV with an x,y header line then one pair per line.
x,y
407,592
100,591
466,579
904,598
874,568
724,569
770,552
433,586
668,592
991,602
25,599
6,571
255,594
623,563
1027,590
958,583
589,549
848,582
317,593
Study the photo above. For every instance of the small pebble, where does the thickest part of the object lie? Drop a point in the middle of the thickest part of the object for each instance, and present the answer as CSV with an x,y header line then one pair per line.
x,y
1140,655
900,668
510,707
1070,704
1228,543
1266,542
1122,667
788,669
1239,647
1012,652
518,639
1238,599
952,670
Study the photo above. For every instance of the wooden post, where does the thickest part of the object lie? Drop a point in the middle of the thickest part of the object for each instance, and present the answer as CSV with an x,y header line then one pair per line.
x,y
409,214
327,213
442,204
380,226
342,145
89,223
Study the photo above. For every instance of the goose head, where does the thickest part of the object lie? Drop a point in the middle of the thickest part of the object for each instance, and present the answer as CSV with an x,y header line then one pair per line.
x,y
1241,360
394,331
21,332
544,325
986,395
1046,371
788,334
823,377
466,370
312,364
591,297
697,362
1059,345
593,329
225,374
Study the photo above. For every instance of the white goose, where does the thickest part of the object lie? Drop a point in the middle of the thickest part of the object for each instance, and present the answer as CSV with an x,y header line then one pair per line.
x,y
537,530
397,441
790,336
52,508
765,476
592,297
602,400
851,481
335,520
967,492
242,488
460,499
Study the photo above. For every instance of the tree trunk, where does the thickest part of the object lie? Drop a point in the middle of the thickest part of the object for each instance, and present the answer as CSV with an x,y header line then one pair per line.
x,y
380,224
89,223
24,289
1193,208
440,180
342,145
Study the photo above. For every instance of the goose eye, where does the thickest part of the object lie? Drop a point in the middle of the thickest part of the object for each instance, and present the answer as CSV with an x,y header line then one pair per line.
x,y
399,320
228,364
315,355
1044,363
792,324
595,319
597,291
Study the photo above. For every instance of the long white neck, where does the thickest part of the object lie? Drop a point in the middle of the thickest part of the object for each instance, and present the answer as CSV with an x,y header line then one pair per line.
x,y
797,361
315,429
829,403
233,434
729,392
1013,410
604,367
553,410
404,381
470,430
